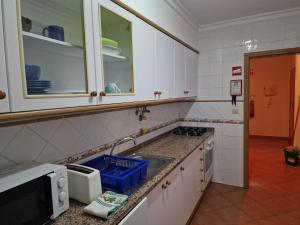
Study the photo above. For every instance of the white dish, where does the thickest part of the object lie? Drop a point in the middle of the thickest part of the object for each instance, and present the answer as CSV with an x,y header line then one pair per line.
x,y
111,50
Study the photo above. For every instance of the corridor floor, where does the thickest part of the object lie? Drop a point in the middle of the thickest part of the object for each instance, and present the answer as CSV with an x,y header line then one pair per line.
x,y
272,199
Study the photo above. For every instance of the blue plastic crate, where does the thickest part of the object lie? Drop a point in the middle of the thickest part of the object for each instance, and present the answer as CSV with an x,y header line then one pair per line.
x,y
120,174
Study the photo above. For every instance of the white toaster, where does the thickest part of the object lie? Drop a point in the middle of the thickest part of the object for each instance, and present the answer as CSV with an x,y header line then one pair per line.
x,y
84,183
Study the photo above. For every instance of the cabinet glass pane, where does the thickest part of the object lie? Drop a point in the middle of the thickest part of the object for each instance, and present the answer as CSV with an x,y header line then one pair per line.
x,y
53,47
117,53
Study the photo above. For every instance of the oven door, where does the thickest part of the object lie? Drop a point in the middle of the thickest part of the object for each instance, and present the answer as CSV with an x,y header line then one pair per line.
x,y
29,203
208,162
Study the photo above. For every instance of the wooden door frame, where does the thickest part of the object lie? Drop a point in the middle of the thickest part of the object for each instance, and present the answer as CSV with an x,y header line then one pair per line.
x,y
247,58
292,105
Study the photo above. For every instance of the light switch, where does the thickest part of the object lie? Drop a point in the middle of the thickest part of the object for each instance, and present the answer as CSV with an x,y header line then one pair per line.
x,y
235,111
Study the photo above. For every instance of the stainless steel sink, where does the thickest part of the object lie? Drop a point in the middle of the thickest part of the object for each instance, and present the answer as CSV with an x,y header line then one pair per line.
x,y
157,163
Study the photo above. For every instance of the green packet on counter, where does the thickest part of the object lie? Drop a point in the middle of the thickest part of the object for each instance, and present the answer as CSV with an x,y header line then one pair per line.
x,y
106,205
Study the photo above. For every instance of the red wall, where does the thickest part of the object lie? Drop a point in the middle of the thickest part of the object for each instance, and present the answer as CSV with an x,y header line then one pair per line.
x,y
272,109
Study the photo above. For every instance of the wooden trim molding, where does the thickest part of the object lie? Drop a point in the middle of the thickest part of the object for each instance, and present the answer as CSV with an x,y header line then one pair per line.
x,y
155,25
247,58
39,115
214,100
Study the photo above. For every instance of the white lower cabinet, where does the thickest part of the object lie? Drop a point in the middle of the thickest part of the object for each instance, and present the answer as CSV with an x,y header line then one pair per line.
x,y
137,215
173,200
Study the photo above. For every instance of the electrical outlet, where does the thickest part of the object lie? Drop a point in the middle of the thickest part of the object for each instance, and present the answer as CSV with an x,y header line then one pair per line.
x,y
235,111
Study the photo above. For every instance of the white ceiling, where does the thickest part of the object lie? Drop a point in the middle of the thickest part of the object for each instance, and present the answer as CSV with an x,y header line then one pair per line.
x,y
212,11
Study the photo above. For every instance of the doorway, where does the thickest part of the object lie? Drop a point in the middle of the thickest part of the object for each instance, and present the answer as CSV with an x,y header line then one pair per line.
x,y
269,107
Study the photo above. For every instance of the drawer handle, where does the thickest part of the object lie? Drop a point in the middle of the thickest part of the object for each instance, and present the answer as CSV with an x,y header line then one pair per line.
x,y
186,92
2,95
155,93
201,170
93,94
168,183
163,186
102,93
182,168
201,149
201,159
159,93
202,181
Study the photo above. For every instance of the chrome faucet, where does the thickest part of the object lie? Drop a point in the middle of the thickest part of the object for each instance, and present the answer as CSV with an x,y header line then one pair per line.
x,y
121,141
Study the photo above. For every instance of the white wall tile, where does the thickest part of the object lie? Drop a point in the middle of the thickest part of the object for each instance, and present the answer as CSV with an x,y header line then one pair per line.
x,y
54,140
233,143
50,154
46,129
233,130
218,173
270,34
233,179
232,161
25,147
292,29
276,30
5,163
204,69
7,134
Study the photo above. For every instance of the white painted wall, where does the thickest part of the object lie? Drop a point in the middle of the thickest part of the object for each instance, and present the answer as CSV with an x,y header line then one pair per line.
x,y
218,53
169,16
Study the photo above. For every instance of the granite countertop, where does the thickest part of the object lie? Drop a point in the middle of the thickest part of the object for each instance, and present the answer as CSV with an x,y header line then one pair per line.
x,y
170,145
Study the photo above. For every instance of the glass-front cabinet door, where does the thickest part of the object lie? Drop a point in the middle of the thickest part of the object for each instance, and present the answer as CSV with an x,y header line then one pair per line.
x,y
4,104
116,46
116,50
50,53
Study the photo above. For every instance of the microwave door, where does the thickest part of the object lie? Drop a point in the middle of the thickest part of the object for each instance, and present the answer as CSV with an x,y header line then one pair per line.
x,y
27,204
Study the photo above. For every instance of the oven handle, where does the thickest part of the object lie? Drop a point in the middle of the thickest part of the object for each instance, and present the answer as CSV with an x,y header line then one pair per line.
x,y
210,145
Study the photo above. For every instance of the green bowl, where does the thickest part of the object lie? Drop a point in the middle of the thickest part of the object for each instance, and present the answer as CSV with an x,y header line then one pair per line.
x,y
109,43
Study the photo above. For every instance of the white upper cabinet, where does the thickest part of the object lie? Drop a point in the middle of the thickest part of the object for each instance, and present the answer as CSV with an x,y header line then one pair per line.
x,y
50,53
191,67
144,57
68,53
4,103
164,66
180,70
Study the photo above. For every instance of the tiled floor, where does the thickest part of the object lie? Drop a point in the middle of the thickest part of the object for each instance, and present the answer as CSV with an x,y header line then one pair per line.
x,y
272,199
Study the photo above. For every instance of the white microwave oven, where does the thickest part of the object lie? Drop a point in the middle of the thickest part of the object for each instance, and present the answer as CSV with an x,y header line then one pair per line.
x,y
33,194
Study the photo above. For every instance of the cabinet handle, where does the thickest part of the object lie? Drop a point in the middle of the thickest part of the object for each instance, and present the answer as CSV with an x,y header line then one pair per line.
x,y
201,170
202,181
168,183
163,186
102,93
159,93
93,94
201,159
201,149
182,168
155,93
2,95
186,92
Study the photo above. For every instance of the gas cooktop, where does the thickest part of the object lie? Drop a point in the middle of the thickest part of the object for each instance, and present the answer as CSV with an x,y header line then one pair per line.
x,y
190,131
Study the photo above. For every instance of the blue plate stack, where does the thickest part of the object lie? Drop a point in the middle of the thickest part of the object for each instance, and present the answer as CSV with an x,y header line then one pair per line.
x,y
34,85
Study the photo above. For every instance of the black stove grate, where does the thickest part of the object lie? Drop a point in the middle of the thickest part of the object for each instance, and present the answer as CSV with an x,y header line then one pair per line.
x,y
190,131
